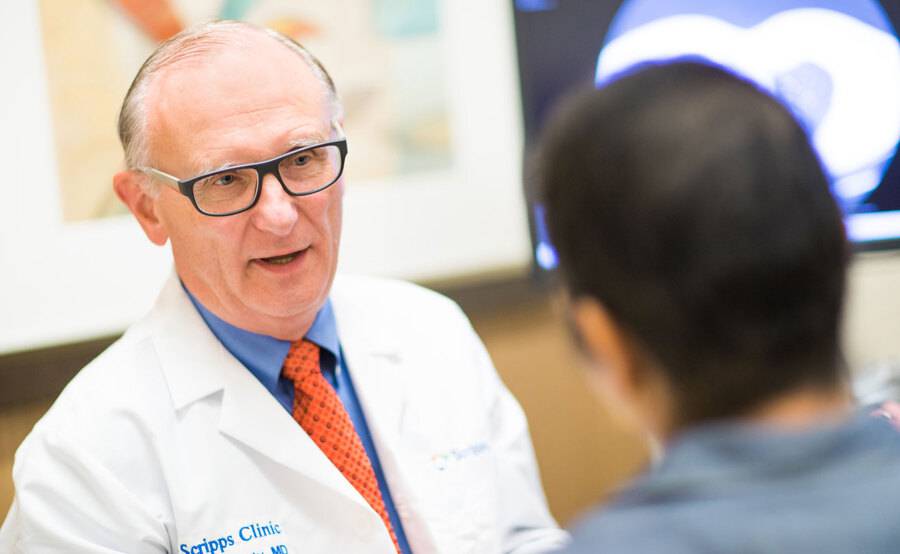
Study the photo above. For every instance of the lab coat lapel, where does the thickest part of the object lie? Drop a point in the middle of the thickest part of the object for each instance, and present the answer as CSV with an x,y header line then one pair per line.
x,y
250,415
377,376
196,365
377,367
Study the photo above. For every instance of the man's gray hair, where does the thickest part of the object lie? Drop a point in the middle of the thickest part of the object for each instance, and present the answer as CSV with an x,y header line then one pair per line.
x,y
191,42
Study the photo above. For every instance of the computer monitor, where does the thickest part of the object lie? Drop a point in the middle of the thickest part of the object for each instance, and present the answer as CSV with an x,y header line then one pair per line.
x,y
834,63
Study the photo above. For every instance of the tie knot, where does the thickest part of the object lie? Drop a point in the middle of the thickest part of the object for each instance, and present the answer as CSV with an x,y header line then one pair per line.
x,y
302,359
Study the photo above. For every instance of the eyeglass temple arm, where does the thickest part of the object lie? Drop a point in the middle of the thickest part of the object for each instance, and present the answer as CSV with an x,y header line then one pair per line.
x,y
170,180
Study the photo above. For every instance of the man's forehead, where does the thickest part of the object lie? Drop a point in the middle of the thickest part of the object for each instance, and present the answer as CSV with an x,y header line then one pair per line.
x,y
242,53
230,144
235,91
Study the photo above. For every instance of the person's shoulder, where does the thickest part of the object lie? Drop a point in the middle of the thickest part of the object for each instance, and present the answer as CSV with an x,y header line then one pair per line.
x,y
616,529
121,388
103,434
834,491
869,458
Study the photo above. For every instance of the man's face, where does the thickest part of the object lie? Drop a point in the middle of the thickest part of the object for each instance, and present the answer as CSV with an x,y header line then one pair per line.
x,y
269,269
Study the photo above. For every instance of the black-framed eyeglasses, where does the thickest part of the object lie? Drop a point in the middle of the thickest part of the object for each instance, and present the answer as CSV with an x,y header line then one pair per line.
x,y
301,172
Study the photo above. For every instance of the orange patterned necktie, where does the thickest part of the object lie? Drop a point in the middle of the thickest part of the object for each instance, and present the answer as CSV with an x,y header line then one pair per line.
x,y
319,411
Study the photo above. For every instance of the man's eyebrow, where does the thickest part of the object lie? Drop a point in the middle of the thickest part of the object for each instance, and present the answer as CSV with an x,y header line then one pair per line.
x,y
207,167
308,140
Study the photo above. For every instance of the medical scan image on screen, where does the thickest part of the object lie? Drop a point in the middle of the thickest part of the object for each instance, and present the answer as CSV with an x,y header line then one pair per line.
x,y
834,63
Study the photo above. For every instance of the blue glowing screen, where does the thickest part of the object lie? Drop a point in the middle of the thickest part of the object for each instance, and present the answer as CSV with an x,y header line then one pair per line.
x,y
834,63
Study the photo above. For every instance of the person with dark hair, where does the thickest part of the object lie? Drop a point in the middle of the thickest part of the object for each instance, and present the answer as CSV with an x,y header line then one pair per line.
x,y
705,261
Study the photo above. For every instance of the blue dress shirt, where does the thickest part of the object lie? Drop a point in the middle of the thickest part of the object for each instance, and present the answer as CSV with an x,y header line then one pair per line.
x,y
264,355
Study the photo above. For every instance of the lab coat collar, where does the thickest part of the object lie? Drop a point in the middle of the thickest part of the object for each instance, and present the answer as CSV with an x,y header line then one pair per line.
x,y
375,359
196,365
192,359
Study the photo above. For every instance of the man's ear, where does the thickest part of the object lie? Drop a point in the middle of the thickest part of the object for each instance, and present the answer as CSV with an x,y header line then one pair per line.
x,y
130,189
624,374
607,346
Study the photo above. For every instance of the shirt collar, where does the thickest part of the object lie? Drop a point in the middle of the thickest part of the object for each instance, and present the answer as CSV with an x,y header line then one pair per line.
x,y
743,447
264,355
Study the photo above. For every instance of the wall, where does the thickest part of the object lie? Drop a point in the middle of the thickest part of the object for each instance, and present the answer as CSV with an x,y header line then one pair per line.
x,y
872,327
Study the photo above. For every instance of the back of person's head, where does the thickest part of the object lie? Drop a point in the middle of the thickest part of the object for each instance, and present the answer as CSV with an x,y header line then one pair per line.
x,y
692,207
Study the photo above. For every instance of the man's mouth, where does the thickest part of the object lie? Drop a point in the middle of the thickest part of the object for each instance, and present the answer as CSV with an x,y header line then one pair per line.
x,y
281,260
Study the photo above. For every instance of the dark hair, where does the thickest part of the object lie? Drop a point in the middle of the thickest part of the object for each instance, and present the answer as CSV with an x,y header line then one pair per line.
x,y
692,206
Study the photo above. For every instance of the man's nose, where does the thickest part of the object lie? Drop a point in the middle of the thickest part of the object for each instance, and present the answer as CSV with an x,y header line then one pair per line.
x,y
275,211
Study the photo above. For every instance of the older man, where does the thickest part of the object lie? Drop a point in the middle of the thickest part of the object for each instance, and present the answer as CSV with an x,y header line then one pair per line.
x,y
257,408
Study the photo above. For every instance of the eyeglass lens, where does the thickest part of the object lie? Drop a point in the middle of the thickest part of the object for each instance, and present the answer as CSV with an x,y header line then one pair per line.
x,y
234,189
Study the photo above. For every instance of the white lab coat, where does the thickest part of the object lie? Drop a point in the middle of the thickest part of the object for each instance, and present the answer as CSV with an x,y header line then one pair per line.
x,y
166,443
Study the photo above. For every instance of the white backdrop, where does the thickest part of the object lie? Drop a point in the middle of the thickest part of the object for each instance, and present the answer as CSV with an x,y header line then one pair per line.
x,y
62,282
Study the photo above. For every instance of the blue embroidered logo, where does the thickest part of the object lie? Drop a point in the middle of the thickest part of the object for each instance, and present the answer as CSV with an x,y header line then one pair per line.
x,y
444,460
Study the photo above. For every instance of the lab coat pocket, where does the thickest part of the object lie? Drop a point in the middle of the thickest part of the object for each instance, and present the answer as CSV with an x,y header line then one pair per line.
x,y
456,489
